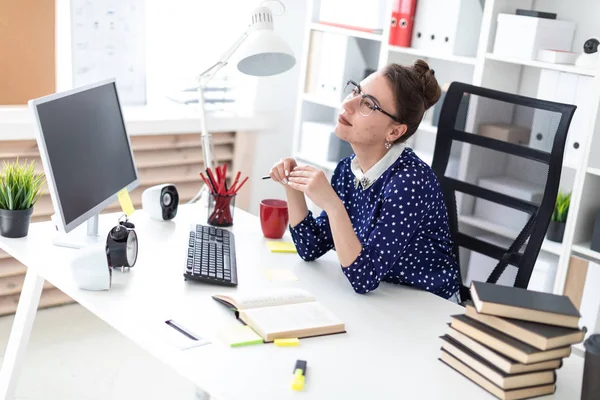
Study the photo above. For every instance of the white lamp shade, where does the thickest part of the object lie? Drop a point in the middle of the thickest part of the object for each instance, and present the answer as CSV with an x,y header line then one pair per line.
x,y
264,53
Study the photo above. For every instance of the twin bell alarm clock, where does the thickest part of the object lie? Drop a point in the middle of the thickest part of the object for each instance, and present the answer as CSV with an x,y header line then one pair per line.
x,y
92,267
122,245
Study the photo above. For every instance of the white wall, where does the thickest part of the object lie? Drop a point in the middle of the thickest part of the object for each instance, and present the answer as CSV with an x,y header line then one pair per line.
x,y
278,94
585,13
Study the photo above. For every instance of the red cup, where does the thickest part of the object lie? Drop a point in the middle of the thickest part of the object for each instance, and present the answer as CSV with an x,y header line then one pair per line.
x,y
274,218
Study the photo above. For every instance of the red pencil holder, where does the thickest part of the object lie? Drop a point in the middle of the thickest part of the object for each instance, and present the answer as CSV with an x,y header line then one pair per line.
x,y
220,209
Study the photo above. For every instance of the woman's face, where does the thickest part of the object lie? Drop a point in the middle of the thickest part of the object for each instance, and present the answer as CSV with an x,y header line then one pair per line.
x,y
356,127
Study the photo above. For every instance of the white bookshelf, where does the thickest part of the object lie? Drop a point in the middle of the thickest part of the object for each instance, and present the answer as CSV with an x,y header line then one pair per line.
x,y
486,69
428,54
307,158
584,250
488,226
345,31
544,65
311,98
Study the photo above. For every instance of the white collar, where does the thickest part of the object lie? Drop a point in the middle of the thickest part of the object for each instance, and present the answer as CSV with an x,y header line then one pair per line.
x,y
366,179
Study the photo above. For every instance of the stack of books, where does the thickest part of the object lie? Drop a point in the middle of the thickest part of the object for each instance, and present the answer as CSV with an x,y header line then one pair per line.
x,y
511,341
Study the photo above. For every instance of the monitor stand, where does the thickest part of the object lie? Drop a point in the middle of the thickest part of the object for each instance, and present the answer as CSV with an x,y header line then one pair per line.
x,y
79,238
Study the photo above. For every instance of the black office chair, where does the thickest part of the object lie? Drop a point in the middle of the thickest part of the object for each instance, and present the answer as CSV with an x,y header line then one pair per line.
x,y
538,159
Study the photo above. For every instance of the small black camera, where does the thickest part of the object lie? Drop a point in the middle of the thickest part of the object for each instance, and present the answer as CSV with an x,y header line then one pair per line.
x,y
591,46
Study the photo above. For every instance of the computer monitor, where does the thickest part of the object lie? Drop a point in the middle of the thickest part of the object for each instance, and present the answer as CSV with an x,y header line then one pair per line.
x,y
85,151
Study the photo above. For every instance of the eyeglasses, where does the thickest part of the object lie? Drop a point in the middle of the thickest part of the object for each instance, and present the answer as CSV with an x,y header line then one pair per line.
x,y
367,103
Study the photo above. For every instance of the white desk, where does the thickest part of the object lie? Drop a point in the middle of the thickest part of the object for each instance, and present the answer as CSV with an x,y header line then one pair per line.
x,y
390,350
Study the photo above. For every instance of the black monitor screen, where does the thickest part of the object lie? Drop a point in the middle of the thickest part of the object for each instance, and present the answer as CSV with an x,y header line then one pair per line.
x,y
87,148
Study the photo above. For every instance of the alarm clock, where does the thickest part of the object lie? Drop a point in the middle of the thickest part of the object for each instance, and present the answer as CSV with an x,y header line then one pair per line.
x,y
122,246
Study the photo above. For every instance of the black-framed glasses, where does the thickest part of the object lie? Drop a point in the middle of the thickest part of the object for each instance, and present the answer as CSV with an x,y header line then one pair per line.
x,y
367,103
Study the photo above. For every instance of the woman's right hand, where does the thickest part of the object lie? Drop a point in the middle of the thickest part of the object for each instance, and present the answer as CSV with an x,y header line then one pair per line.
x,y
281,170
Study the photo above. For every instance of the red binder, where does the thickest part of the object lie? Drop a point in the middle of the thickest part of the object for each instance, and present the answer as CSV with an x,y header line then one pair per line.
x,y
394,26
406,21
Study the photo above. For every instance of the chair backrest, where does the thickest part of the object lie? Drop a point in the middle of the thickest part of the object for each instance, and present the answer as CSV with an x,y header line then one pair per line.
x,y
507,181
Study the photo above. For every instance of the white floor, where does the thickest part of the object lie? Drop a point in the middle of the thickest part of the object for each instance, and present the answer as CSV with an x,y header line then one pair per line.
x,y
74,355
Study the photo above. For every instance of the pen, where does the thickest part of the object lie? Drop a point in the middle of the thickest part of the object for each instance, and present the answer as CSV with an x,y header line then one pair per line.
x,y
180,329
266,177
299,375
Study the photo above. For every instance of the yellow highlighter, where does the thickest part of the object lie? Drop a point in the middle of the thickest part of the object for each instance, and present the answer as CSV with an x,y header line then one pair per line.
x,y
299,375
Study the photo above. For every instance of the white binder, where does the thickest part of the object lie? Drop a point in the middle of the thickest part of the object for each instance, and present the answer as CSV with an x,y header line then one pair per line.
x,y
545,122
580,124
340,60
447,26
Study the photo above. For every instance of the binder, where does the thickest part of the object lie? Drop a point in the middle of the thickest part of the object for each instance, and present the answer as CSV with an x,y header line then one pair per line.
x,y
406,22
393,39
580,124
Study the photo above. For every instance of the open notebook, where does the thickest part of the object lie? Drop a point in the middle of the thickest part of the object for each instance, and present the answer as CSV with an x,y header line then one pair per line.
x,y
283,313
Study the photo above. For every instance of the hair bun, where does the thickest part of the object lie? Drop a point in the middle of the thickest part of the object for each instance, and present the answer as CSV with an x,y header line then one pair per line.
x,y
430,90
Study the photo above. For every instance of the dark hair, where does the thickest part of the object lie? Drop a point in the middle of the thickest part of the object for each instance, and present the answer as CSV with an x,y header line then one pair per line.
x,y
415,91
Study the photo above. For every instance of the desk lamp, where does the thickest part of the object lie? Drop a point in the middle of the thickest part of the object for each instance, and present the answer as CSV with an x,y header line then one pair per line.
x,y
261,53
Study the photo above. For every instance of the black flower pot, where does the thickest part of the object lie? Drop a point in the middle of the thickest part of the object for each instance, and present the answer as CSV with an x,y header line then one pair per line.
x,y
15,223
556,231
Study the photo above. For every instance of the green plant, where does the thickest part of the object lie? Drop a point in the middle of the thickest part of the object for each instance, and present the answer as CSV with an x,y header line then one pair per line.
x,y
561,208
20,186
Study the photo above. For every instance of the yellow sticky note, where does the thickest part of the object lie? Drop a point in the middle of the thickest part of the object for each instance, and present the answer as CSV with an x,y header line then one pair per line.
x,y
287,342
125,201
281,247
280,275
240,335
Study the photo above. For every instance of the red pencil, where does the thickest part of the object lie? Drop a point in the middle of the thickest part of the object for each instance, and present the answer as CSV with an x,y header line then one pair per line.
x,y
241,184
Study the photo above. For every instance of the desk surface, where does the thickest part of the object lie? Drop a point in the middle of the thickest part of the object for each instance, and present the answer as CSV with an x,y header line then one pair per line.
x,y
390,348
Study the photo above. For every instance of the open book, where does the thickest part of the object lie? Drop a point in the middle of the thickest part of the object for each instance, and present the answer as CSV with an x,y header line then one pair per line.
x,y
283,313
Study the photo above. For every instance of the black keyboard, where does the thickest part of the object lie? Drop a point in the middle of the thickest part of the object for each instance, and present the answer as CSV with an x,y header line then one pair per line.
x,y
211,256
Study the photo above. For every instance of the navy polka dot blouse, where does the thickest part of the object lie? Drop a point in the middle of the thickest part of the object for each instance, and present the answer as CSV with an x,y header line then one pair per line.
x,y
401,222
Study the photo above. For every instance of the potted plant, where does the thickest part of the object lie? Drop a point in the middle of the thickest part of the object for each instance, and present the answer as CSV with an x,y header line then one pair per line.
x,y
20,189
556,229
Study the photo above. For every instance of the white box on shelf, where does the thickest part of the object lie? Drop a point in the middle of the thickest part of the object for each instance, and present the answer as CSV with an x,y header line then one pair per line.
x,y
481,266
340,59
557,56
448,27
506,216
354,14
314,139
522,36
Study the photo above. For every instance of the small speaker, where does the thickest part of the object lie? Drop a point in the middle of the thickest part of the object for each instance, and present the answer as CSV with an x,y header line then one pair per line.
x,y
161,201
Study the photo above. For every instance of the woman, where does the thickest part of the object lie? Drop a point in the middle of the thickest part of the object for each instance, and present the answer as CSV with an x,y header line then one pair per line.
x,y
383,211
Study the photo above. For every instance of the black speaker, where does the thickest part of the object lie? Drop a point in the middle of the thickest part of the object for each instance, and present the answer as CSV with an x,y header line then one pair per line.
x,y
161,201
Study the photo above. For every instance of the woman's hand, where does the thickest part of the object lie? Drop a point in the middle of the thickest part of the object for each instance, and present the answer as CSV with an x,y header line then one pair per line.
x,y
314,184
280,171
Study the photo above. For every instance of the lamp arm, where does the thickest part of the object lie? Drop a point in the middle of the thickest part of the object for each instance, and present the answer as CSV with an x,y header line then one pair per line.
x,y
204,78
209,73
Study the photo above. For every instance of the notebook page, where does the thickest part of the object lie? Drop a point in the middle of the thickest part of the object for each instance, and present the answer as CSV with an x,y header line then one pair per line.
x,y
273,297
292,317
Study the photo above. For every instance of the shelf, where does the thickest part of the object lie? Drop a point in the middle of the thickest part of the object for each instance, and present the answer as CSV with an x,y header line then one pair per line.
x,y
326,165
593,171
427,127
584,250
540,64
476,222
315,26
430,54
311,98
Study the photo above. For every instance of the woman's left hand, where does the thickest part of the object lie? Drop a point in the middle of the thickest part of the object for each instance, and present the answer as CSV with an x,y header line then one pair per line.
x,y
313,183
